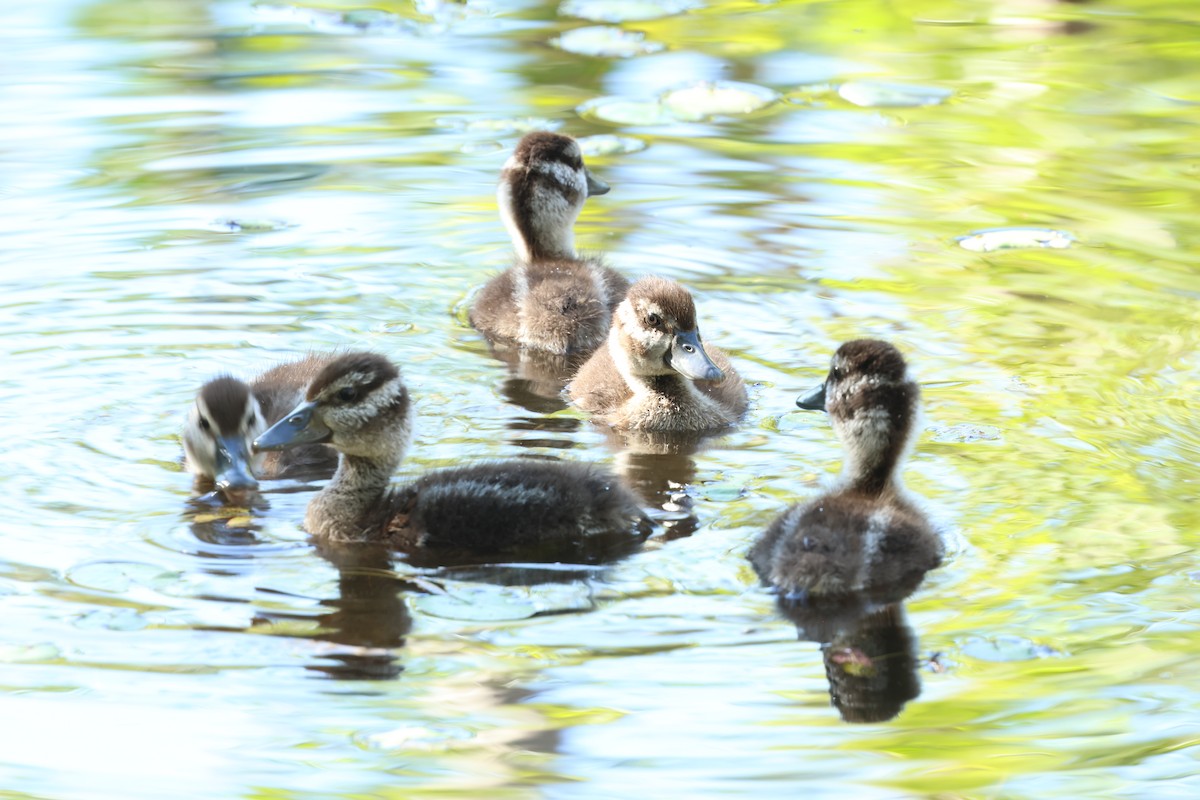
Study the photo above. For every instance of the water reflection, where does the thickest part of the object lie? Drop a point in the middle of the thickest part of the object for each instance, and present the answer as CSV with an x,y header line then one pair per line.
x,y
870,653
537,379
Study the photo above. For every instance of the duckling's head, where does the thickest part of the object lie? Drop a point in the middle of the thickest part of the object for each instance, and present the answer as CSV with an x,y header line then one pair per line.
x,y
655,329
541,192
872,405
358,403
216,438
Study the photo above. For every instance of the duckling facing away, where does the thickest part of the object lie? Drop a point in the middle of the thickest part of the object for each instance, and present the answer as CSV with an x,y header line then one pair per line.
x,y
227,416
655,374
863,537
551,300
539,510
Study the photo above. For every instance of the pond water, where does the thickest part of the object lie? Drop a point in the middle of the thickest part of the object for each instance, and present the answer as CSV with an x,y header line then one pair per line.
x,y
1006,189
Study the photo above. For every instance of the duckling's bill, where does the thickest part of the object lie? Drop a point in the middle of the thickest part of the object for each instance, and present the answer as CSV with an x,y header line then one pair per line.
x,y
688,358
813,399
233,464
595,186
298,427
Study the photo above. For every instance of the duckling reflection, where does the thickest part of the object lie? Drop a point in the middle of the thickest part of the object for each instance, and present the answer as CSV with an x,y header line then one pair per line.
x,y
520,509
226,417
551,300
870,654
662,477
655,374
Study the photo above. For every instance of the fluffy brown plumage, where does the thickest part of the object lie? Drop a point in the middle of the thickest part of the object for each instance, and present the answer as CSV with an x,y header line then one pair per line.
x,y
865,536
655,373
530,509
551,300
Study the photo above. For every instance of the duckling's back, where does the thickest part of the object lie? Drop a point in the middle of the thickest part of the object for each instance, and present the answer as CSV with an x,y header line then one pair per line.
x,y
845,543
533,510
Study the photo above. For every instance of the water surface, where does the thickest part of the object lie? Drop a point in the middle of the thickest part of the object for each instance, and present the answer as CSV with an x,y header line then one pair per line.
x,y
196,186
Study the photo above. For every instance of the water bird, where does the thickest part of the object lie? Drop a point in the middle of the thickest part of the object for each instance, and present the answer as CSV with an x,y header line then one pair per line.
x,y
656,374
229,413
532,509
865,537
551,300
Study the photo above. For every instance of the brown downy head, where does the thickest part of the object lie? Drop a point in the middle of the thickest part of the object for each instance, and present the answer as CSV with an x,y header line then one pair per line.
x,y
872,405
217,437
655,328
358,403
542,189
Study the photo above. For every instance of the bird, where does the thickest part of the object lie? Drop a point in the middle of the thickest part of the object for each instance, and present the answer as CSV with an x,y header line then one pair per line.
x,y
655,373
866,537
551,300
533,509
229,413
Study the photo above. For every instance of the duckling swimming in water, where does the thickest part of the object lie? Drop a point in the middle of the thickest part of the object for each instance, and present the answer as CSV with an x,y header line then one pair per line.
x,y
227,416
551,300
865,536
541,510
655,374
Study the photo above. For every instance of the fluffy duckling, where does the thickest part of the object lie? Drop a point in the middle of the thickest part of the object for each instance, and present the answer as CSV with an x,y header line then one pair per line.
x,y
227,416
551,300
542,510
655,374
863,537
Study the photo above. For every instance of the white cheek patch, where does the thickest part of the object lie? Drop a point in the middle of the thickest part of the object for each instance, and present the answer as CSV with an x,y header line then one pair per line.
x,y
504,199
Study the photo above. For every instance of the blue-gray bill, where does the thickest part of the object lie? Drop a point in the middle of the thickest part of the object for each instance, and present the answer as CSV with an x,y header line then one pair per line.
x,y
813,399
595,186
687,357
233,465
298,427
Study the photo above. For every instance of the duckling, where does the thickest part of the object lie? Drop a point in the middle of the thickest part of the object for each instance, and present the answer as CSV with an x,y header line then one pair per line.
x,y
865,536
551,300
543,510
655,374
227,416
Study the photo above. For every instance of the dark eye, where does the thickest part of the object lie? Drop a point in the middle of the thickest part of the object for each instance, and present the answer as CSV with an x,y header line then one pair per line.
x,y
348,394
653,320
204,424
835,374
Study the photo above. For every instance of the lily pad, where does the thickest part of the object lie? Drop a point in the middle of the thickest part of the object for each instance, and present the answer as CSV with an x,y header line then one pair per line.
x,y
605,41
721,98
986,241
624,10
873,94
621,111
606,144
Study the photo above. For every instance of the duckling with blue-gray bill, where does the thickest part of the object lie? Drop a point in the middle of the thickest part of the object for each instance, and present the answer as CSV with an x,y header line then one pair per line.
x,y
228,414
655,373
865,537
552,300
532,509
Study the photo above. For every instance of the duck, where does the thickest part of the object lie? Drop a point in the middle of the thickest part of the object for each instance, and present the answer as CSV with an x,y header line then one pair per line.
x,y
538,510
229,413
865,538
655,372
551,300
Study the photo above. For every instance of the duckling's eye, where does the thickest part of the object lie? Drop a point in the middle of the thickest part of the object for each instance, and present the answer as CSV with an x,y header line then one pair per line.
x,y
348,394
204,424
653,320
835,373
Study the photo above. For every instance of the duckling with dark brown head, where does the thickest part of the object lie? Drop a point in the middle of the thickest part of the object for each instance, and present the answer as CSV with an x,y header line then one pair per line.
x,y
551,300
655,373
865,537
227,416
536,510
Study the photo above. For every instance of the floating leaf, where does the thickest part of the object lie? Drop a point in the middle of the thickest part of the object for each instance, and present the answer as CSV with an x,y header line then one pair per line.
x,y
872,94
605,41
624,10
620,111
986,241
608,145
706,99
